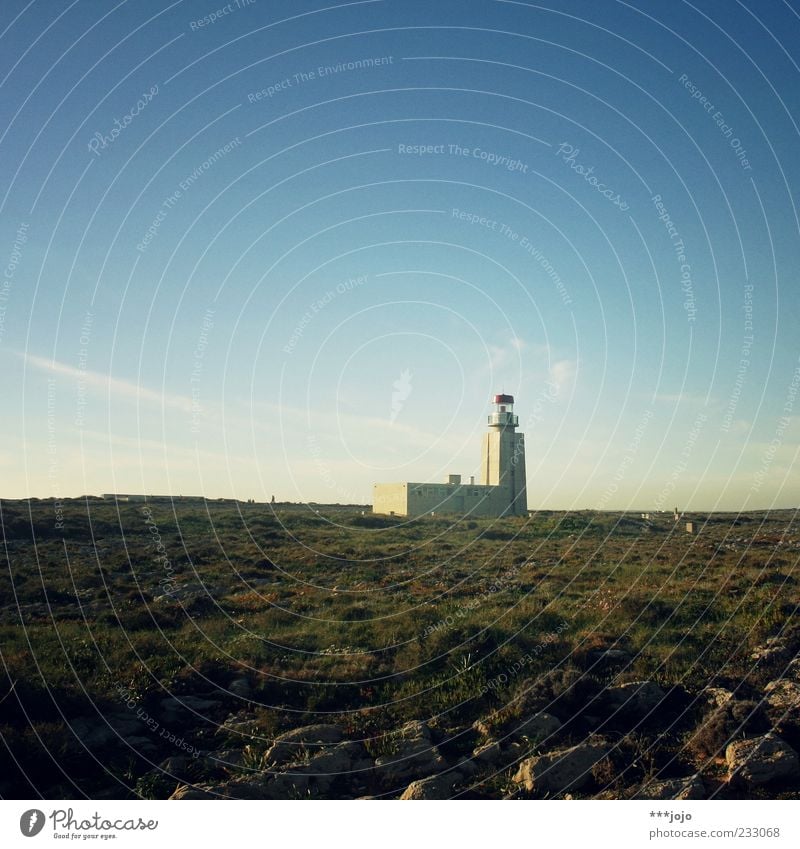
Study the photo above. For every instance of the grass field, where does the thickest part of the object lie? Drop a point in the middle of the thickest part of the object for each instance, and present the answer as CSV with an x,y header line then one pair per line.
x,y
289,615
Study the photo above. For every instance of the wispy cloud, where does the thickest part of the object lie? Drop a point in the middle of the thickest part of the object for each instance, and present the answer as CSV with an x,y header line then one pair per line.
x,y
562,373
123,389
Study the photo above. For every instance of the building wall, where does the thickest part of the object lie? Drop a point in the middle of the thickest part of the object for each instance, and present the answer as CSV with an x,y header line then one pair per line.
x,y
390,498
419,499
503,463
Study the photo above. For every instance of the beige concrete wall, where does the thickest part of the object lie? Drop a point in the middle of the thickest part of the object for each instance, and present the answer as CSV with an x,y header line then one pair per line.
x,y
419,499
503,463
390,498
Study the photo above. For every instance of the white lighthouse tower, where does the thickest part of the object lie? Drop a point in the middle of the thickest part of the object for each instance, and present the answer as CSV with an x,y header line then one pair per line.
x,y
503,455
501,492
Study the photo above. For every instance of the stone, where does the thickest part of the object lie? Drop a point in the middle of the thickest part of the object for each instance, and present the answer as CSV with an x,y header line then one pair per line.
x,y
239,726
536,728
240,687
225,758
783,698
488,754
442,786
415,757
555,772
792,671
175,707
774,651
714,697
674,788
604,659
287,747
143,745
480,726
638,697
761,760
96,732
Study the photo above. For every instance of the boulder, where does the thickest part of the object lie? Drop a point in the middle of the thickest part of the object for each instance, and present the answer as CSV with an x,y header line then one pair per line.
x,y
792,671
638,698
415,756
314,778
174,708
776,650
442,786
783,698
287,747
225,758
488,754
179,768
240,687
674,788
536,728
482,727
604,659
761,760
714,697
344,761
238,725
236,788
98,731
556,772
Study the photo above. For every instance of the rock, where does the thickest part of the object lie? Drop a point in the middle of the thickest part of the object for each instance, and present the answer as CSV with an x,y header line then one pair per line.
x,y
225,758
638,698
143,745
761,760
287,746
313,778
415,730
714,697
792,671
488,754
480,726
239,726
442,786
240,687
187,791
536,728
674,788
190,592
555,772
96,731
174,708
180,767
775,651
415,756
605,659
237,788
783,698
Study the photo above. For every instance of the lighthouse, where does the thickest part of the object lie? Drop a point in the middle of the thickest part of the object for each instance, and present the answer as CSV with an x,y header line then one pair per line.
x,y
503,454
502,490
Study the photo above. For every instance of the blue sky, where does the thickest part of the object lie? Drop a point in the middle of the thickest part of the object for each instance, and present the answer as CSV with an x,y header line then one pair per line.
x,y
226,236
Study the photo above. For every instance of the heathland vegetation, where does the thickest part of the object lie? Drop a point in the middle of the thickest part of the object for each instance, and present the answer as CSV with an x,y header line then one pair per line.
x,y
263,651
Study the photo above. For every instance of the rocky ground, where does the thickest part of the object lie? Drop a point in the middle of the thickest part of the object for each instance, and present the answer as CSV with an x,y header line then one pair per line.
x,y
569,734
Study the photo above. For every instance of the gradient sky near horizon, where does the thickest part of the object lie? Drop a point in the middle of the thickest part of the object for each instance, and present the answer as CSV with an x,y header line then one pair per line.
x,y
229,269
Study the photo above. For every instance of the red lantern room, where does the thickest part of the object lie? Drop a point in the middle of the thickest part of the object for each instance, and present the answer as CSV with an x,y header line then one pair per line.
x,y
503,415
